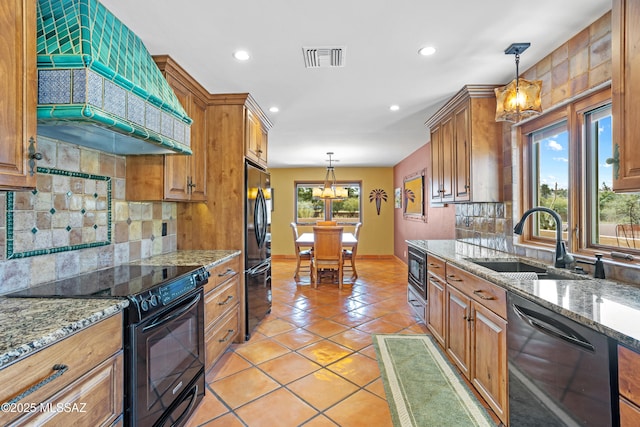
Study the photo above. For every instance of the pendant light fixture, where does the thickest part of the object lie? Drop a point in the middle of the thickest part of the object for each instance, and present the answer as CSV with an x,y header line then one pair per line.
x,y
520,99
329,189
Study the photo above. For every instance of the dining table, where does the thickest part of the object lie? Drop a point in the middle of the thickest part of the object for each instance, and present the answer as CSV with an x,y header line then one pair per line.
x,y
348,240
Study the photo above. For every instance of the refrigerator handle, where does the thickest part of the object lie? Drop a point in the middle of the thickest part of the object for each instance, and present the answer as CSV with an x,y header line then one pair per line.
x,y
260,218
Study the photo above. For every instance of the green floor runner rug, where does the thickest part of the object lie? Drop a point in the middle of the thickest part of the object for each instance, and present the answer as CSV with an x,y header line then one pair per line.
x,y
422,388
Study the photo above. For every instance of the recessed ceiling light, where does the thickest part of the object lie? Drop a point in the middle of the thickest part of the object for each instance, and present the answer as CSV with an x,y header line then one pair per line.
x,y
274,109
241,55
394,107
427,50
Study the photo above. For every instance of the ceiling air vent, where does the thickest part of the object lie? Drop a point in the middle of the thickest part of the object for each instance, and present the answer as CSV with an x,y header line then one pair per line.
x,y
323,57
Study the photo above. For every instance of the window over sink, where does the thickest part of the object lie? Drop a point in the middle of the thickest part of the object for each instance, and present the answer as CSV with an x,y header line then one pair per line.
x,y
566,167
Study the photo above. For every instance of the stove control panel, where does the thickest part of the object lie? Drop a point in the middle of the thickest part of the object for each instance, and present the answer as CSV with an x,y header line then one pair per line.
x,y
163,295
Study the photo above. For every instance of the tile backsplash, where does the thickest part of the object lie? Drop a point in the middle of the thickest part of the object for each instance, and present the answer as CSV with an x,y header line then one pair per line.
x,y
77,219
485,224
490,225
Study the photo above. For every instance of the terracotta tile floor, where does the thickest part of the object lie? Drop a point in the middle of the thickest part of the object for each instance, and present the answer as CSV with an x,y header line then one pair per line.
x,y
311,362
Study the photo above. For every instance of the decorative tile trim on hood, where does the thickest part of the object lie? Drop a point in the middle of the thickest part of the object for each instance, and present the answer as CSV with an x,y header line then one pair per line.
x,y
98,86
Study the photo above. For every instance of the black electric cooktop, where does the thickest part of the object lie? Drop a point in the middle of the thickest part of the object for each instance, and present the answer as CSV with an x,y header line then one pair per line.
x,y
119,281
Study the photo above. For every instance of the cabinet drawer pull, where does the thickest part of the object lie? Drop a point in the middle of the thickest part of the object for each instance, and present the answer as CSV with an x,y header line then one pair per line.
x,y
479,293
433,265
227,272
59,370
230,333
453,278
226,301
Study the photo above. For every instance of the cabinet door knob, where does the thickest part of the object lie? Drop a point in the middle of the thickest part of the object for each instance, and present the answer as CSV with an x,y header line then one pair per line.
x,y
33,156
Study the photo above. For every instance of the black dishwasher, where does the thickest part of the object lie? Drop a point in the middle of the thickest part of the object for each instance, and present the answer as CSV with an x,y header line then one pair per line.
x,y
559,370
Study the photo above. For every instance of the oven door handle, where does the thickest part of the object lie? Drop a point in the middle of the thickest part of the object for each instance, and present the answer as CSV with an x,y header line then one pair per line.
x,y
159,321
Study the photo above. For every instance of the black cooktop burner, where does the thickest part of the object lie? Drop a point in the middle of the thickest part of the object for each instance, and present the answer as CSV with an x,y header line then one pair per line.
x,y
120,281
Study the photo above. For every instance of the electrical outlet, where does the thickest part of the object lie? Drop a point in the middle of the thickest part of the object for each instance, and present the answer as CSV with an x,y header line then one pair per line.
x,y
164,228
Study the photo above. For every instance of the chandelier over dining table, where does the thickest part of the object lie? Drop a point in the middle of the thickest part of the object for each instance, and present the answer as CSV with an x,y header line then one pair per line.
x,y
329,189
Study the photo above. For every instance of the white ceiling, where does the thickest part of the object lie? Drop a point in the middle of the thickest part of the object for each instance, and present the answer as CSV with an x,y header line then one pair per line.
x,y
346,110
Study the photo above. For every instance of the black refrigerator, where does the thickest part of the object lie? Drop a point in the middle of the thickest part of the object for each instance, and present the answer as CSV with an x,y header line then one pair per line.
x,y
257,252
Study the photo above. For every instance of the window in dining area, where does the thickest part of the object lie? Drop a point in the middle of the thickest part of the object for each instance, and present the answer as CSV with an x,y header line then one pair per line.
x,y
309,209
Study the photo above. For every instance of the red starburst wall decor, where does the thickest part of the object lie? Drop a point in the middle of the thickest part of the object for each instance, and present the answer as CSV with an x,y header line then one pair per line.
x,y
378,195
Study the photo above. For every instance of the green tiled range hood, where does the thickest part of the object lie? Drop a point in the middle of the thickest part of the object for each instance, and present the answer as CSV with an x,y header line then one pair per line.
x,y
99,87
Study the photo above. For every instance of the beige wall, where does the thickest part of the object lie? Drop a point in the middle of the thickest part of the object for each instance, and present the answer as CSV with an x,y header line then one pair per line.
x,y
376,235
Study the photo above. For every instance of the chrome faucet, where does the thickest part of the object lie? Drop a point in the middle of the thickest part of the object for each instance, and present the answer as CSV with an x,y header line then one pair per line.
x,y
563,258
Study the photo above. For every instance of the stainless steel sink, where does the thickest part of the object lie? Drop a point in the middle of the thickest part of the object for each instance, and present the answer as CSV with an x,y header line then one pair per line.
x,y
517,266
508,266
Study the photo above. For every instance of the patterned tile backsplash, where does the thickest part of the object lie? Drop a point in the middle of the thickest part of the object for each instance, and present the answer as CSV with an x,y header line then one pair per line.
x,y
77,219
66,211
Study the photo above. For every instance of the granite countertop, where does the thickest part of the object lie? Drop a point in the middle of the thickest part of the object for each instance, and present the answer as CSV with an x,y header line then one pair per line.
x,y
29,324
609,307
206,258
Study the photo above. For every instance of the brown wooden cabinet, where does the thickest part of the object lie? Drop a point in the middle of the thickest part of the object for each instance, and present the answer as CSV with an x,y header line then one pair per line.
x,y
219,222
18,86
92,386
458,342
255,139
174,177
476,338
629,386
466,148
625,85
221,309
436,284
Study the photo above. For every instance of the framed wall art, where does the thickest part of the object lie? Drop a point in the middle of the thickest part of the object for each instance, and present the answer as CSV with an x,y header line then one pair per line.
x,y
413,196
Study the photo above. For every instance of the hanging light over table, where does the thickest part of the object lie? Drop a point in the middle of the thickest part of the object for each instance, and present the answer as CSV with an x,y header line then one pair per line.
x,y
329,189
520,99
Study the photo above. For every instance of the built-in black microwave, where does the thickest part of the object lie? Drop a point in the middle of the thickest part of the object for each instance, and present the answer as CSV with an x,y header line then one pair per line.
x,y
418,271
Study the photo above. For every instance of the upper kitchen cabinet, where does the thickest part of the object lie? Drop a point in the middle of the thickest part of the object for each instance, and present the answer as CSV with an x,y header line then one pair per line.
x,y
625,81
18,87
466,148
255,138
174,177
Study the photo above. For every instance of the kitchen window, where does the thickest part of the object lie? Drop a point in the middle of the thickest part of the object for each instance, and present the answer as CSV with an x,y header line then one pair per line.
x,y
550,176
565,168
309,210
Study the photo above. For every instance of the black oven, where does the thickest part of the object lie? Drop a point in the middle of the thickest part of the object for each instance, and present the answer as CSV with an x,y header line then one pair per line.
x,y
418,271
163,335
167,363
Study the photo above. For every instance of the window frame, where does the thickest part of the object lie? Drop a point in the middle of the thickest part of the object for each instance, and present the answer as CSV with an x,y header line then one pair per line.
x,y
526,153
579,211
328,204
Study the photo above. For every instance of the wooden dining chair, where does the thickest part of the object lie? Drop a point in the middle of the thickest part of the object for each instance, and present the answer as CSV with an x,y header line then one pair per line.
x,y
327,223
327,252
349,254
301,254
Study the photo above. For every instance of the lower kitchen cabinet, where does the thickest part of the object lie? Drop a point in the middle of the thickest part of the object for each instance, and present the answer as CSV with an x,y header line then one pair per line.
x,y
476,337
89,390
222,309
489,373
458,329
629,386
435,316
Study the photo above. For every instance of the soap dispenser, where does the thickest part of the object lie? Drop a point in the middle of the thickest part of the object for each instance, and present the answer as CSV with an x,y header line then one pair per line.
x,y
598,272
